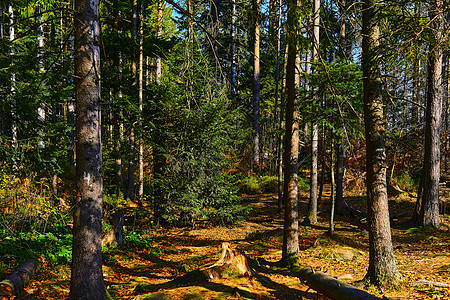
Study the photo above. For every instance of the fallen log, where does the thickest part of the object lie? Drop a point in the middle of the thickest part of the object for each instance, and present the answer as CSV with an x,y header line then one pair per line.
x,y
19,279
430,283
330,286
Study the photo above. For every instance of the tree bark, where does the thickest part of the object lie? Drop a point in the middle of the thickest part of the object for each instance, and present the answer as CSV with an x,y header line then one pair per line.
x,y
290,237
120,133
333,190
233,49
141,106
382,268
86,272
429,206
329,286
322,171
312,212
40,52
256,84
114,237
159,161
12,37
132,138
159,34
214,14
340,204
278,141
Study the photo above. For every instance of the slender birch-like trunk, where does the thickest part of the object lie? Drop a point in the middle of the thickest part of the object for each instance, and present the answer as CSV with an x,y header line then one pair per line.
x,y
141,105
132,138
233,49
312,211
12,37
256,84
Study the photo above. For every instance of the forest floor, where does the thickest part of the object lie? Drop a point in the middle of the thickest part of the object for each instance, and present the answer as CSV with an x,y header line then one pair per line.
x,y
158,256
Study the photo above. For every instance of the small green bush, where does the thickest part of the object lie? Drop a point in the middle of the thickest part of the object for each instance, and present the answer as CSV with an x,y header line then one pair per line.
x,y
250,186
406,183
55,247
269,184
303,184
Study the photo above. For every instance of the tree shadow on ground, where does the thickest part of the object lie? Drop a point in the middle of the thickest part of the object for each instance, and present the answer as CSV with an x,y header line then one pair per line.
x,y
279,291
142,270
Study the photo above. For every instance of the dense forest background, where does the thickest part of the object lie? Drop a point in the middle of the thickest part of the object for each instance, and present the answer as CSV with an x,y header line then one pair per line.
x,y
204,101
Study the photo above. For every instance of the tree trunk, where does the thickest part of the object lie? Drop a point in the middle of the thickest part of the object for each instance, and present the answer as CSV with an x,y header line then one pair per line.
x,y
312,213
322,171
70,119
331,287
429,208
13,84
141,106
340,204
120,133
214,14
344,56
233,49
278,141
86,276
114,237
1,24
382,268
256,84
312,207
159,34
118,150
333,190
290,236
132,142
132,139
40,52
159,160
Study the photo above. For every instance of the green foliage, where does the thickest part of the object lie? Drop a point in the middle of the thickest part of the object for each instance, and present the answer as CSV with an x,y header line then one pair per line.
x,y
414,230
406,183
253,185
140,239
339,85
269,184
303,184
196,129
137,239
250,185
56,246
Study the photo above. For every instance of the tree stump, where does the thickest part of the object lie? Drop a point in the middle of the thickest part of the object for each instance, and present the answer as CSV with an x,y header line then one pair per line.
x,y
232,263
114,237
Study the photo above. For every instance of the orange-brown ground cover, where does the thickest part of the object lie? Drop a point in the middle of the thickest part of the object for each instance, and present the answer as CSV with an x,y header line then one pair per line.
x,y
164,254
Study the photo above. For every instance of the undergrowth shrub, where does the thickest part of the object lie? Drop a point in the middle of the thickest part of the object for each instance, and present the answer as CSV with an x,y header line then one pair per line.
x,y
269,184
406,183
197,132
55,247
249,185
303,184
